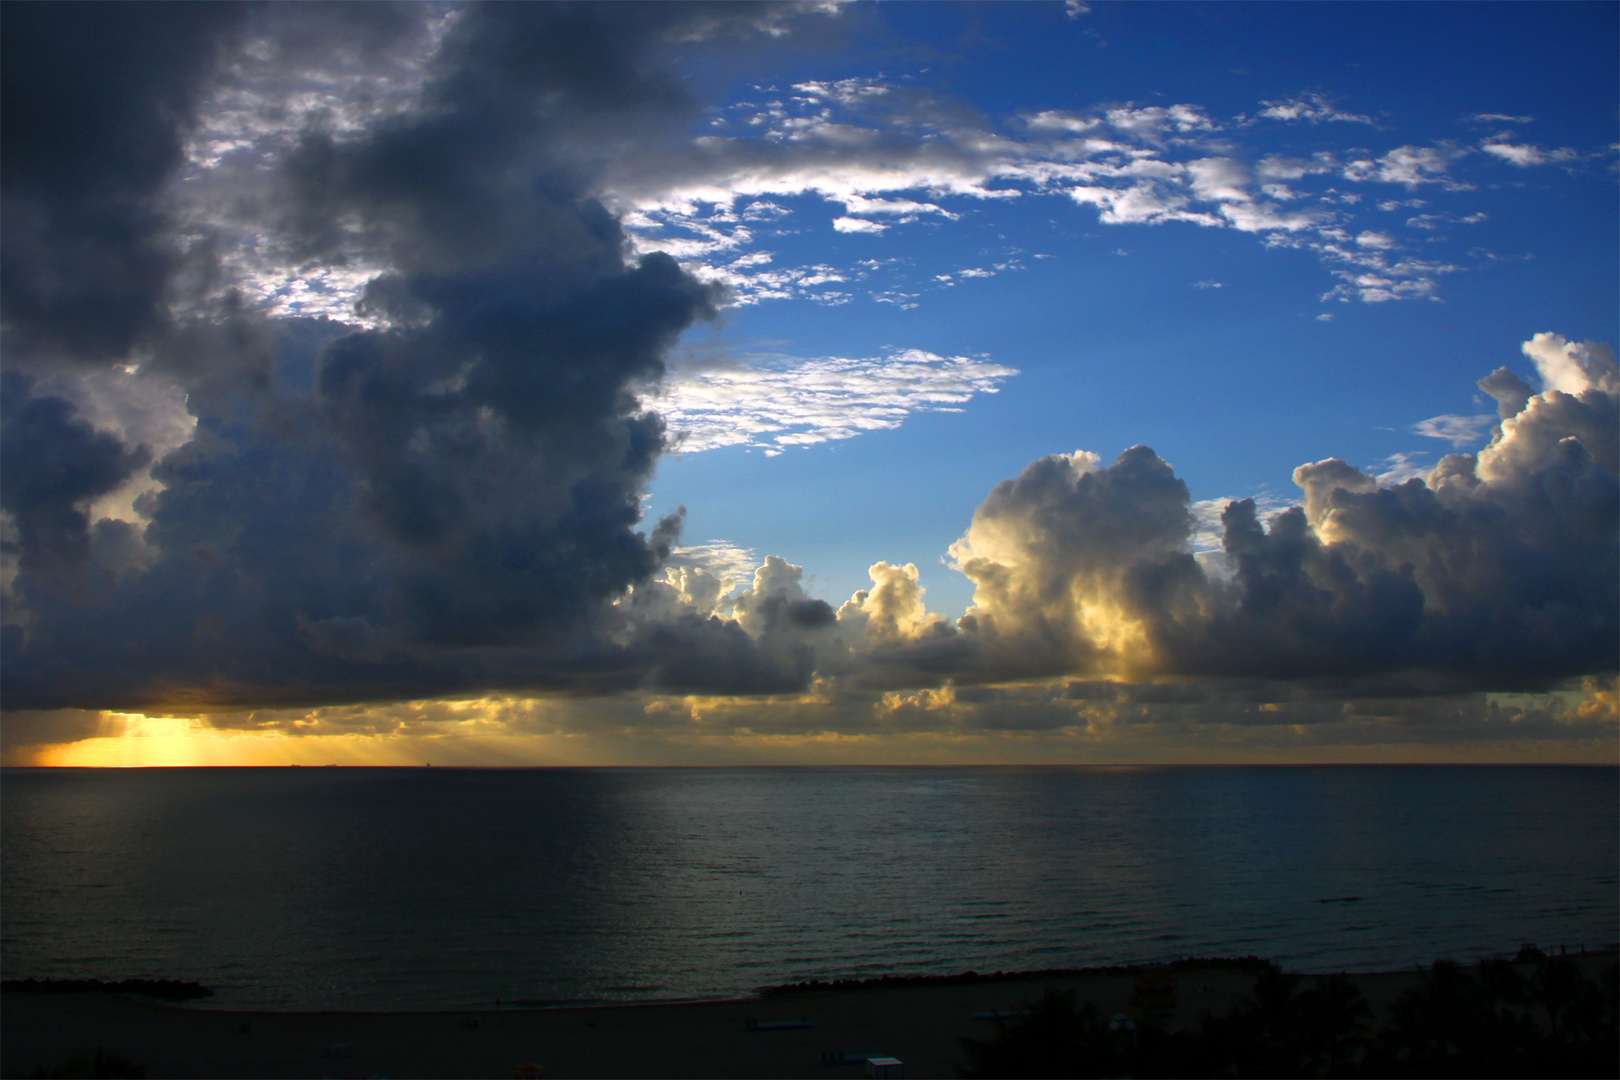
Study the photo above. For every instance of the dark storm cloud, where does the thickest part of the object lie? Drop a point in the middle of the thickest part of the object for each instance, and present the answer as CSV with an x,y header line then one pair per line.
x,y
24,731
55,465
446,502
770,645
95,101
526,104
709,655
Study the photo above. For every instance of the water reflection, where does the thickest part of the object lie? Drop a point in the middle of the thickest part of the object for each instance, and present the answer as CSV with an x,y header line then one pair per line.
x,y
373,888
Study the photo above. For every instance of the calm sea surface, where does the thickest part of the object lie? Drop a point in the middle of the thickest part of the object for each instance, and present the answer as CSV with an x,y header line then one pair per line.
x,y
380,888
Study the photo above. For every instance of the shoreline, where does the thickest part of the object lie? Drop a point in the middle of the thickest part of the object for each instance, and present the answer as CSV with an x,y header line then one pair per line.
x,y
785,1034
193,996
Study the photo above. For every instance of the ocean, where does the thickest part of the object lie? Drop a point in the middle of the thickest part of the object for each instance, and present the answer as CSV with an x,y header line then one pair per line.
x,y
337,888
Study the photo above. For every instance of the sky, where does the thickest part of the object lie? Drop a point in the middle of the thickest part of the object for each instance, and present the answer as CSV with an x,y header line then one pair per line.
x,y
809,383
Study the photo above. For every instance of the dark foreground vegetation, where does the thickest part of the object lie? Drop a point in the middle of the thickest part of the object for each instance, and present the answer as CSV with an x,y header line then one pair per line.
x,y
98,1066
1535,1017
166,989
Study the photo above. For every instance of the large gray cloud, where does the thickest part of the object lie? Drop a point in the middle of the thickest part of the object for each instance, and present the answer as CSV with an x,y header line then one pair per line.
x,y
1497,571
56,463
445,501
96,101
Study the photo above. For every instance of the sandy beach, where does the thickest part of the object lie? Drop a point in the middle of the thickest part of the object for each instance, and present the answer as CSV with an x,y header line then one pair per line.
x,y
919,1025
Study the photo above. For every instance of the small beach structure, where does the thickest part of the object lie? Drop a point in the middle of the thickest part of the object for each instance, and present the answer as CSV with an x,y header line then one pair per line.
x,y
885,1067
841,1057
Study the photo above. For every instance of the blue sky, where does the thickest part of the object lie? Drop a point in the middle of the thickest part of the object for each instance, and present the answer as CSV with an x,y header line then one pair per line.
x,y
1221,349
617,383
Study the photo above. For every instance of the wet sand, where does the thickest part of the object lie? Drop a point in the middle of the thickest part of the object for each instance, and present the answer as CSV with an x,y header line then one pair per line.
x,y
920,1025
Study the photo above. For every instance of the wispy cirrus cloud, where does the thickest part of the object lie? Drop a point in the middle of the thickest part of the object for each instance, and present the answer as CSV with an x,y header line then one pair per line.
x,y
887,154
1525,155
891,157
783,403
1459,431
1311,109
1401,466
730,564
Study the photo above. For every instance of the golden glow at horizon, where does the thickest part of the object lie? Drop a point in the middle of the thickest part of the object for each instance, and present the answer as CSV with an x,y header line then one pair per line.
x,y
157,741
147,741
481,732
167,741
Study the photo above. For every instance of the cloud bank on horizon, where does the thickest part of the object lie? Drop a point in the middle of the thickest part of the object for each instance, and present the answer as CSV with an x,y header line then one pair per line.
x,y
342,347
